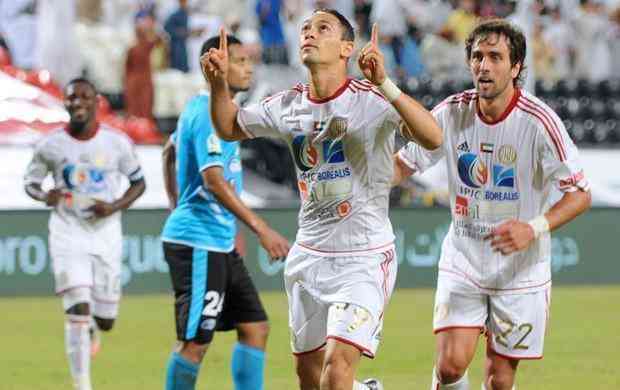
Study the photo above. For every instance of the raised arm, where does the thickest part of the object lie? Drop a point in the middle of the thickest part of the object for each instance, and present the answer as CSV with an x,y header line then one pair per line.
x,y
222,107
418,124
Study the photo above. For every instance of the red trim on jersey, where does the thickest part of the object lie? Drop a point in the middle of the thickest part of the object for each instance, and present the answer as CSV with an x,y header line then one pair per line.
x,y
333,96
556,143
359,86
389,256
83,322
489,288
269,98
549,123
350,251
446,328
463,97
363,350
507,111
68,131
310,351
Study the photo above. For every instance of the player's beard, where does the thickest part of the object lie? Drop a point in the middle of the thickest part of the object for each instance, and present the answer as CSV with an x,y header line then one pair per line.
x,y
77,127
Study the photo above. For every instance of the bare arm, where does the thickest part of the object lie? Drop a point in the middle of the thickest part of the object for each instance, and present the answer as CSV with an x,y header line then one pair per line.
x,y
401,171
276,245
50,198
168,157
419,125
103,209
223,109
571,205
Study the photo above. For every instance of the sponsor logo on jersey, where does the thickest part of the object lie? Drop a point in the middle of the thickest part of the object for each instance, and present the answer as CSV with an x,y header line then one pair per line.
x,y
503,176
235,165
306,155
472,171
83,178
463,147
486,147
463,208
488,194
343,209
507,155
214,146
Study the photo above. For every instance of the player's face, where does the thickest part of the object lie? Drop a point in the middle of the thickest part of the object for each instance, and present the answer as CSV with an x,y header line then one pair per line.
x,y
321,40
240,68
81,102
490,66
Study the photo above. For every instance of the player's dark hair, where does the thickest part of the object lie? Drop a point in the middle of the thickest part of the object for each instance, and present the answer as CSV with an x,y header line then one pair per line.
x,y
516,41
348,34
82,80
214,43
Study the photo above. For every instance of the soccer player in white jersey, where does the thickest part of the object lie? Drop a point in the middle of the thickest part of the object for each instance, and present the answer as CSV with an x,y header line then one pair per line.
x,y
340,273
86,160
505,150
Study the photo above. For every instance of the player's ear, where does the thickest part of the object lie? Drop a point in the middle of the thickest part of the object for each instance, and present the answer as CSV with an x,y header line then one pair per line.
x,y
516,68
346,49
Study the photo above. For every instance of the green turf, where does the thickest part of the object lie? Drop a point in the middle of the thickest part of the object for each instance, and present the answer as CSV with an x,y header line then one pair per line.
x,y
581,348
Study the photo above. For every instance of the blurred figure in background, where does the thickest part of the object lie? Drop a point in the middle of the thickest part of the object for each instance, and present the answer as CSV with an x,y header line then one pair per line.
x,y
592,33
18,24
271,31
177,27
58,50
139,93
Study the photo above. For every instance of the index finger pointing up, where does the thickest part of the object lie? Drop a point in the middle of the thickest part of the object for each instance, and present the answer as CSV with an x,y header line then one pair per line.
x,y
223,40
374,35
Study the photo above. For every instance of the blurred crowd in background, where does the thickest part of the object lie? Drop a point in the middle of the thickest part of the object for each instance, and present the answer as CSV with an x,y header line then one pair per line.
x,y
143,54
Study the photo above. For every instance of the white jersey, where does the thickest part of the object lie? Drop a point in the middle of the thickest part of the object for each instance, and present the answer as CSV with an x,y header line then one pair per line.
x,y
342,147
84,170
499,171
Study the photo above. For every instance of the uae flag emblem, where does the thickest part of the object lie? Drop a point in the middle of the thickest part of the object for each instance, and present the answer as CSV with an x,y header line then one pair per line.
x,y
486,148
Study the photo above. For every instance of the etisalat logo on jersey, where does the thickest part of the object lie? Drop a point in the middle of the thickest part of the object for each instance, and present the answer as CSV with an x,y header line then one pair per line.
x,y
475,174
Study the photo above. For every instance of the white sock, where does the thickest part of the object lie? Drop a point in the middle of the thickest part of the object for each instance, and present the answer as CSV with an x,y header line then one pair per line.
x,y
461,384
359,386
483,387
77,346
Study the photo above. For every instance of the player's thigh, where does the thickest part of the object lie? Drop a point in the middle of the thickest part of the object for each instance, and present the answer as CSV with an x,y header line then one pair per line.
x,y
517,324
71,266
199,280
242,303
107,282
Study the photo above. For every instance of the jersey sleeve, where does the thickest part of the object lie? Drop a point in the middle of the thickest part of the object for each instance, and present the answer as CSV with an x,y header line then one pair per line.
x,y
417,157
129,165
559,158
262,119
206,144
38,167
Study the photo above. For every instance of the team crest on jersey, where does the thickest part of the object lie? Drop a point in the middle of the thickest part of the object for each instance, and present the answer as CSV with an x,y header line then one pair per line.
x,y
507,155
472,171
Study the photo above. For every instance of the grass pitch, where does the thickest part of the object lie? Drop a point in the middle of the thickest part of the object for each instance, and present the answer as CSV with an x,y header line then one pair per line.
x,y
581,349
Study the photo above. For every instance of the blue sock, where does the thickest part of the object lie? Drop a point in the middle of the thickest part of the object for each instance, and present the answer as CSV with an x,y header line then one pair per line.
x,y
247,366
181,373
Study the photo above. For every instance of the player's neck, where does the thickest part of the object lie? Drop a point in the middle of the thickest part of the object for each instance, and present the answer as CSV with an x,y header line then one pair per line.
x,y
325,82
83,133
492,110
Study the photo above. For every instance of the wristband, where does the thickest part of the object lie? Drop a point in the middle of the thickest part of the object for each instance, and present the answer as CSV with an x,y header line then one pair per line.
x,y
540,225
389,90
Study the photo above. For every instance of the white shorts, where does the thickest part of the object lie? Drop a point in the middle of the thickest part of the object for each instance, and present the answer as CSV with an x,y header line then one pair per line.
x,y
74,267
515,324
338,297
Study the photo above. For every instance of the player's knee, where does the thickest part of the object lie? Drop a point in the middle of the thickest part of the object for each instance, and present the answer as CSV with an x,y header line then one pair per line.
x,y
76,301
451,370
337,367
501,381
82,309
254,335
194,352
104,324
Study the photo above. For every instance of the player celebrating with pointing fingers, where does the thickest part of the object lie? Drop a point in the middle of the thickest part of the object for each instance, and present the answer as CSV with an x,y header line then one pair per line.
x,y
340,273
